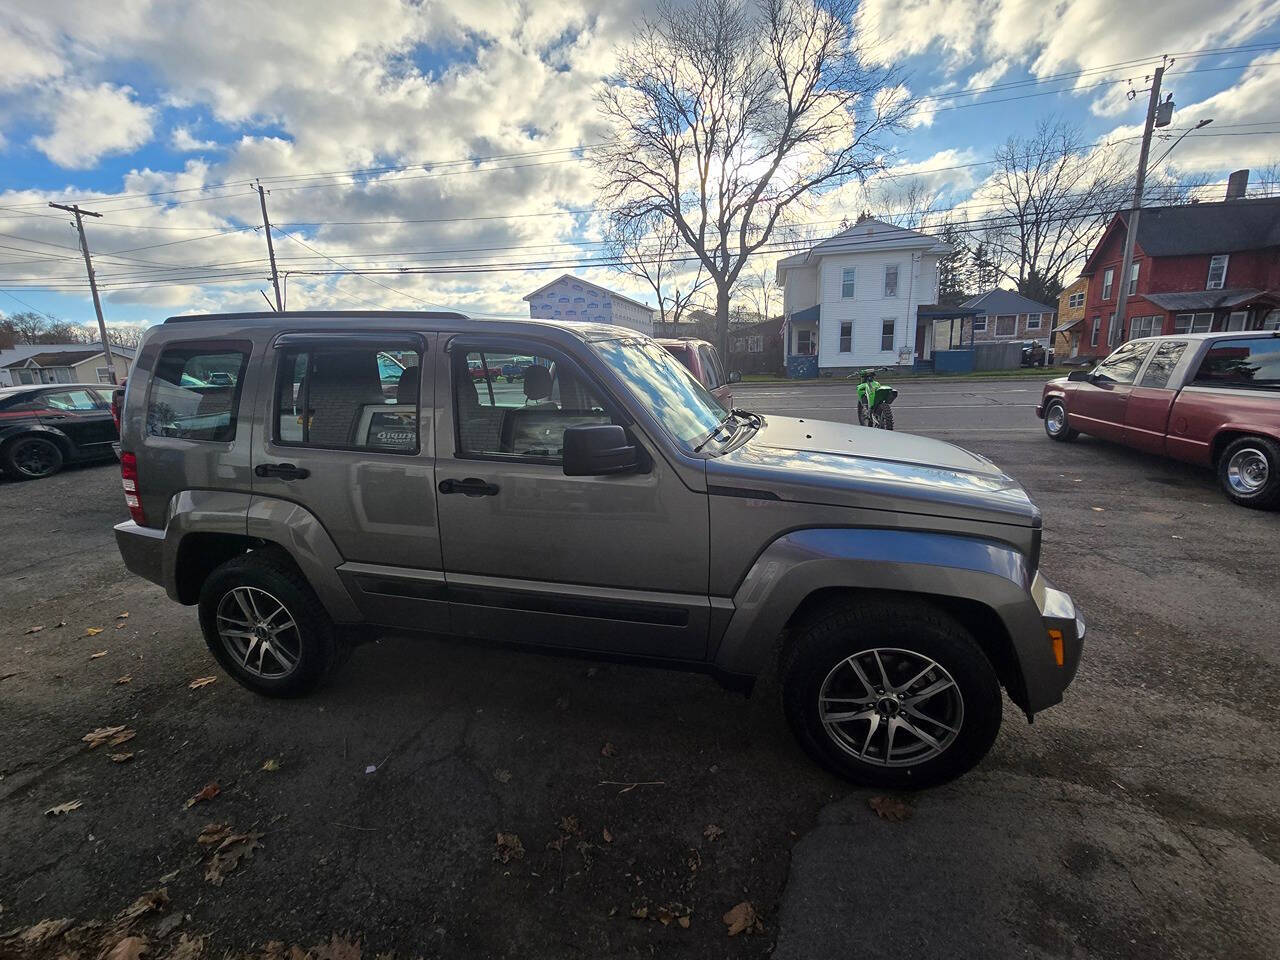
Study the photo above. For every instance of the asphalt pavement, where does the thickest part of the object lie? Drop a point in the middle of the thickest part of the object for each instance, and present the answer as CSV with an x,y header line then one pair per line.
x,y
1139,818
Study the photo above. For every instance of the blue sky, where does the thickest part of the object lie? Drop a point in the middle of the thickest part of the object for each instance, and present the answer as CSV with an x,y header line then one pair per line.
x,y
176,98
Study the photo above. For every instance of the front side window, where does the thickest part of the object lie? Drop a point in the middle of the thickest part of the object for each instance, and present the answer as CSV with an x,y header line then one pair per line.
x,y
1217,272
1162,363
1108,280
846,338
891,280
1252,363
847,277
888,333
1122,366
523,416
349,396
1006,326
195,391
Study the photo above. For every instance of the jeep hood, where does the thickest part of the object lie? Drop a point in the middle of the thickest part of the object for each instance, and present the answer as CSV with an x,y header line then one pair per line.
x,y
816,461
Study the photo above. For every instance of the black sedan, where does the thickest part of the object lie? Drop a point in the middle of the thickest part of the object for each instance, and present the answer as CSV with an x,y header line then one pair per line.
x,y
44,426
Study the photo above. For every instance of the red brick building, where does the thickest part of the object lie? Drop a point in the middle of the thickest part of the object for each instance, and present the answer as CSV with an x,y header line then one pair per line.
x,y
1197,267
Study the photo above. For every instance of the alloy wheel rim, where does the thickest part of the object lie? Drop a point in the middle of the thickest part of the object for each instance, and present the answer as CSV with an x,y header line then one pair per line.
x,y
34,458
1055,419
259,632
891,707
1248,470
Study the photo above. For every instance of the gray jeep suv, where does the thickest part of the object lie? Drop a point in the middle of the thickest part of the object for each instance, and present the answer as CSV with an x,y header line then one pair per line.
x,y
309,479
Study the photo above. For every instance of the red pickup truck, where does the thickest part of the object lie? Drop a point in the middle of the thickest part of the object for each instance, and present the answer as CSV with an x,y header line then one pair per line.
x,y
1207,398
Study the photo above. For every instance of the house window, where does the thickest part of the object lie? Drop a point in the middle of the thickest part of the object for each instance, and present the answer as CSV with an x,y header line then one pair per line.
x,y
846,338
1217,272
1237,319
888,333
891,280
979,324
103,374
1108,281
755,344
1076,300
1133,278
1097,325
1145,327
1006,325
1033,321
804,343
1192,322
846,283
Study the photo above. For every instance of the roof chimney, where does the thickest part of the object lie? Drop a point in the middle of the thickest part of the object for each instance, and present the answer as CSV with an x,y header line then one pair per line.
x,y
1238,185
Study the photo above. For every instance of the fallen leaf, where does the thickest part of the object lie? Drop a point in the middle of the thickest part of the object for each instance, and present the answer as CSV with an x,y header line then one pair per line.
x,y
742,919
212,833
665,913
503,776
121,681
336,949
62,808
95,656
121,625
683,921
570,824
271,766
123,616
45,930
111,736
93,631
171,876
121,757
207,792
893,809
156,899
130,948
187,947
608,750
35,629
233,849
606,835
712,832
199,682
509,848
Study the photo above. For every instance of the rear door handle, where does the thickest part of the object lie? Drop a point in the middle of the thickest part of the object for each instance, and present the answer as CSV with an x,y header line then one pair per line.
x,y
471,487
282,471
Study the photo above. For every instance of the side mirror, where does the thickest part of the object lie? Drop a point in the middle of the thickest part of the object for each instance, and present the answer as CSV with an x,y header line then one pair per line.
x,y
735,376
1080,376
598,449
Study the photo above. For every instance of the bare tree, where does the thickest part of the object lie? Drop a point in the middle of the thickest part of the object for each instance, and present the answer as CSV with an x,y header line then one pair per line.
x,y
727,113
26,327
122,335
913,204
1267,181
649,249
762,290
1051,194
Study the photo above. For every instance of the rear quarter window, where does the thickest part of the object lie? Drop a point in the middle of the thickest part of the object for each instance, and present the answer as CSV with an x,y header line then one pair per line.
x,y
195,391
1249,363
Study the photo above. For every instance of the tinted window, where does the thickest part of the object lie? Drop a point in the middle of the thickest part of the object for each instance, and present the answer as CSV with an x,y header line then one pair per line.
x,y
349,396
1122,366
195,392
69,400
1252,363
525,416
1161,366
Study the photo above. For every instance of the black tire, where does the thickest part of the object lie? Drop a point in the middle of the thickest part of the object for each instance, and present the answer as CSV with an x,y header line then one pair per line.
x,y
906,634
32,457
1065,433
862,414
886,418
315,642
1249,472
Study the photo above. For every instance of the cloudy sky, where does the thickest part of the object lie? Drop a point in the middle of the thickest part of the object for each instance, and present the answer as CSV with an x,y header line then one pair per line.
x,y
468,122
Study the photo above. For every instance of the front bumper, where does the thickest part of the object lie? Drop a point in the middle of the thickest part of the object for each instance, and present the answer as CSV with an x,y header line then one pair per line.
x,y
1040,409
142,549
1058,612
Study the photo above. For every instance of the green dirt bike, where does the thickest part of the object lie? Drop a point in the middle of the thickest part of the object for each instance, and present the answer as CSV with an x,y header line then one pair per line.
x,y
875,400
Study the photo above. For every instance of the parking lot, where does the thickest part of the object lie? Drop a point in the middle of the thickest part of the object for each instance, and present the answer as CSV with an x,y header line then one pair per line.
x,y
1140,818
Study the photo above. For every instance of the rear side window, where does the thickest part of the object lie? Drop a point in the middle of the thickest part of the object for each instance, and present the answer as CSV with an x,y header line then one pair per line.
x,y
345,396
1161,366
195,391
1249,363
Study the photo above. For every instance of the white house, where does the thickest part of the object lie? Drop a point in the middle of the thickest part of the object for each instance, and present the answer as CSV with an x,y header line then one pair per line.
x,y
572,298
851,301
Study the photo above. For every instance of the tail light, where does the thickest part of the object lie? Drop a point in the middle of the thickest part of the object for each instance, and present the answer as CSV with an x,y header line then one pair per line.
x,y
129,480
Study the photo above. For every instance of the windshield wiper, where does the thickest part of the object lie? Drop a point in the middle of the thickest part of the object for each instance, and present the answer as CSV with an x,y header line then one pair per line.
x,y
753,419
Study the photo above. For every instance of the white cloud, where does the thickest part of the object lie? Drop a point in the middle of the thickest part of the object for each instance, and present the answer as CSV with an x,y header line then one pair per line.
x,y
89,122
184,141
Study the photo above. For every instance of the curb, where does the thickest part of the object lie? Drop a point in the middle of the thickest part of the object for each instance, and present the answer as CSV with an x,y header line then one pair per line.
x,y
838,381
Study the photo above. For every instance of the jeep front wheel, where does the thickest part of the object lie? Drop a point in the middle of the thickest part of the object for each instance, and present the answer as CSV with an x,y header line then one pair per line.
x,y
266,627
889,694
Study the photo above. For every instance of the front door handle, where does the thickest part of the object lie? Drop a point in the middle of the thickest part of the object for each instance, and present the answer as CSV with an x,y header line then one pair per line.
x,y
471,487
282,471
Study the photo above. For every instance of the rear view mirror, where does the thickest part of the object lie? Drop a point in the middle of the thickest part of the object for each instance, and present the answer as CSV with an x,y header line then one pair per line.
x,y
735,376
598,449
1079,376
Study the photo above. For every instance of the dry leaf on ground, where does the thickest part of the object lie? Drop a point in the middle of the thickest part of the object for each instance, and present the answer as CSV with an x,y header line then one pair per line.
x,y
207,792
212,833
665,913
712,832
570,824
199,682
92,631
35,629
509,848
893,809
111,736
233,849
606,835
156,899
45,930
608,750
743,919
123,616
502,776
130,948
95,656
271,766
187,947
337,948
121,757
62,808
127,678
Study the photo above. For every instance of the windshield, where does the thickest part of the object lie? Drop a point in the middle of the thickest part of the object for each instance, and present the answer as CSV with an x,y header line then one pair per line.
x,y
660,382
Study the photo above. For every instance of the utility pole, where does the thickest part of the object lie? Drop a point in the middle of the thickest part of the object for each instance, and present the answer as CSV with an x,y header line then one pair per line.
x,y
271,250
93,282
1154,115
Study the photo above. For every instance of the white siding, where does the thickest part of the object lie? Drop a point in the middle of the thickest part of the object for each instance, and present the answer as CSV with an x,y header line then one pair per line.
x,y
917,283
800,290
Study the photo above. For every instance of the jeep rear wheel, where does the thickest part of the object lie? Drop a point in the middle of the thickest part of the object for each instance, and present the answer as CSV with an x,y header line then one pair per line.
x,y
266,627
890,694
